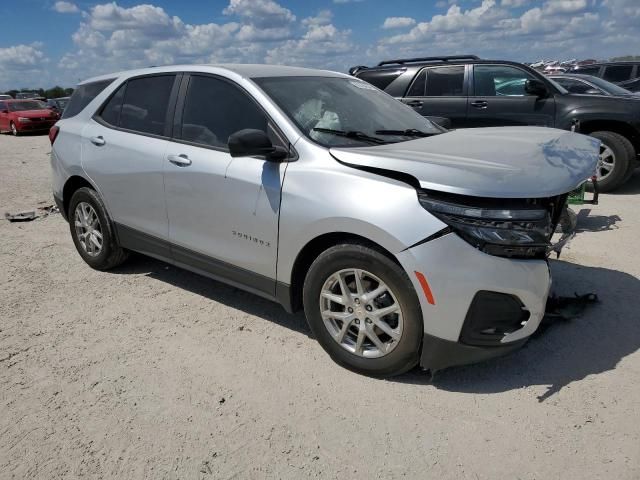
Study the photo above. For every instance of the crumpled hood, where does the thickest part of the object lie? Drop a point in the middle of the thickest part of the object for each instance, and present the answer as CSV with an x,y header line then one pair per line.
x,y
501,162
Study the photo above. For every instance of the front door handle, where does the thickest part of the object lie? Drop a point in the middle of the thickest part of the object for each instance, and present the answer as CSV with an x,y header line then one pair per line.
x,y
415,103
180,160
98,141
481,104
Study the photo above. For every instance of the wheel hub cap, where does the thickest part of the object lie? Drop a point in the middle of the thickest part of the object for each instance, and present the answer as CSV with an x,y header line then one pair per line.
x,y
606,162
361,313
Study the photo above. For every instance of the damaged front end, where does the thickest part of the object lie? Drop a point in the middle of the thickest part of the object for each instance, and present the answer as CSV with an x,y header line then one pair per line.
x,y
526,228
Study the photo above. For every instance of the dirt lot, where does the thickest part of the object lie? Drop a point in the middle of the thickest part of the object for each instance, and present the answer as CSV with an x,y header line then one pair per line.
x,y
154,372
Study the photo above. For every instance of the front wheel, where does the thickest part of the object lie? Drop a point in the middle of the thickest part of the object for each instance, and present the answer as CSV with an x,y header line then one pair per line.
x,y
14,129
364,311
617,160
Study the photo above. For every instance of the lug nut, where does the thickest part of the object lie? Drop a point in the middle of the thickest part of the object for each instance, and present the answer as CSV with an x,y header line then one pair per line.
x,y
357,300
357,321
368,308
368,320
350,310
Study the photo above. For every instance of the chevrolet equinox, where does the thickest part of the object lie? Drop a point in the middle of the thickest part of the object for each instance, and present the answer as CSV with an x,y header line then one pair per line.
x,y
404,243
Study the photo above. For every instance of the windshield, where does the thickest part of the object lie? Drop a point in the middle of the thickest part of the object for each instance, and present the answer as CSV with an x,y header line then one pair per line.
x,y
322,106
26,105
609,87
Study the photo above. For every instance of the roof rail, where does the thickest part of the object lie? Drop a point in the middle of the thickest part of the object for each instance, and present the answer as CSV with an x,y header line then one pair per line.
x,y
429,59
354,70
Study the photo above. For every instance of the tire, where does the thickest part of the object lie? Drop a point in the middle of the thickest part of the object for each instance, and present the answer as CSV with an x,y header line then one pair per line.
x,y
624,157
402,352
14,130
110,254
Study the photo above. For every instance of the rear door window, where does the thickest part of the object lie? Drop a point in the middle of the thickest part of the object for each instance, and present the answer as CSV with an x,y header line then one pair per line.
x,y
574,86
214,109
111,111
83,96
418,85
617,73
380,78
445,82
145,104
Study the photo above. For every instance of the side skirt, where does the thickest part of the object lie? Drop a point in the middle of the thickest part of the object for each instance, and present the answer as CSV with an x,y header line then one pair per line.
x,y
213,268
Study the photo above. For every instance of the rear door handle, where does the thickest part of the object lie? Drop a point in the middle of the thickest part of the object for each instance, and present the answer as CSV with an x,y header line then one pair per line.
x,y
180,160
481,104
415,103
97,141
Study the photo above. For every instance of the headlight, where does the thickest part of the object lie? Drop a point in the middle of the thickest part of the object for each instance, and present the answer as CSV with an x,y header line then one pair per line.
x,y
24,119
512,231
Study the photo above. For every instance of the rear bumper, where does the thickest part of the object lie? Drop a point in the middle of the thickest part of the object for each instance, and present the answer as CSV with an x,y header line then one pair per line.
x,y
438,354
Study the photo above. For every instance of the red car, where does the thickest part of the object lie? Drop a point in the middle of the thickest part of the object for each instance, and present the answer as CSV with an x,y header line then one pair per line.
x,y
21,116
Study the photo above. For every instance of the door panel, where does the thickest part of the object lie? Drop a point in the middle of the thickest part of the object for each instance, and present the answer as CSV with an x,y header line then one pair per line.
x,y
223,212
127,169
498,98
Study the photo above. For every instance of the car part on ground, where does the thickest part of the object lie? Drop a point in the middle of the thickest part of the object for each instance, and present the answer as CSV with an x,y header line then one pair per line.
x,y
474,92
328,195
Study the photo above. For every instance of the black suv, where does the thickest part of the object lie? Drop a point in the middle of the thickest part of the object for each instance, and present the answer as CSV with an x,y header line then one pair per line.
x,y
625,74
472,92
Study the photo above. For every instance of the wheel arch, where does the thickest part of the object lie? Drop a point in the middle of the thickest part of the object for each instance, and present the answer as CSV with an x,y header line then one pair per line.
x,y
72,184
292,299
621,128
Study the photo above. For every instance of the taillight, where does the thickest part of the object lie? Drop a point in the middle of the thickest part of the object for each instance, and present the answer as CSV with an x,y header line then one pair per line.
x,y
53,134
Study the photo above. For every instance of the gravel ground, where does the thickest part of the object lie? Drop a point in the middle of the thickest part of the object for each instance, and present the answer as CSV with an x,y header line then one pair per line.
x,y
153,372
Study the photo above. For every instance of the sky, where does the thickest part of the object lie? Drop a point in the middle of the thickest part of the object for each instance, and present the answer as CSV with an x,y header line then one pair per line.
x,y
51,42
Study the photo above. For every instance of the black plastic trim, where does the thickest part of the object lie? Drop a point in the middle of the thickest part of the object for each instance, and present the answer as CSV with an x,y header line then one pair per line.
x,y
60,205
244,279
438,234
438,354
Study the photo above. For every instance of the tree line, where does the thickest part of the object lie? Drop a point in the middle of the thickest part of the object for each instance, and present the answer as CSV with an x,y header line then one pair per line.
x,y
54,92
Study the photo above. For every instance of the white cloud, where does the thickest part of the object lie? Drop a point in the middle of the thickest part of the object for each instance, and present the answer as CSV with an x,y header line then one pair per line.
x,y
514,3
65,7
260,13
20,64
398,22
323,17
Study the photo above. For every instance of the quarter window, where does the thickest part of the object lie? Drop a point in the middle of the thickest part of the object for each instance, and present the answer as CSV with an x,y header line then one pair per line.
x,y
145,104
418,85
499,80
618,73
574,86
214,109
83,96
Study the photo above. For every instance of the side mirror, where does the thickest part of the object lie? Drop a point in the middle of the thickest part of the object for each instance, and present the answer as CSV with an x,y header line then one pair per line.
x,y
250,142
535,87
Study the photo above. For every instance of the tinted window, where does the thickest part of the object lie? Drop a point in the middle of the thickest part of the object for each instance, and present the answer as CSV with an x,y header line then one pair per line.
x,y
3,106
617,73
83,95
381,79
111,111
145,104
445,81
417,87
214,109
499,80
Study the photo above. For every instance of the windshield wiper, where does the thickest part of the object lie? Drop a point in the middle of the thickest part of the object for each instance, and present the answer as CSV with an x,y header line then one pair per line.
x,y
352,134
410,132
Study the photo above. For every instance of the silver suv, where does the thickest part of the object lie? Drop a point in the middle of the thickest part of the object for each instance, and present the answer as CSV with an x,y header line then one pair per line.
x,y
403,242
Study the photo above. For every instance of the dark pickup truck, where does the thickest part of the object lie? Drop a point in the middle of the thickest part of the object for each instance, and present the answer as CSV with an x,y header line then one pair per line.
x,y
473,92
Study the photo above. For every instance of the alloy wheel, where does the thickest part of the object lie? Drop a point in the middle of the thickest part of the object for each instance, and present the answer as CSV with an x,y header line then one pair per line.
x,y
88,229
14,130
606,162
361,313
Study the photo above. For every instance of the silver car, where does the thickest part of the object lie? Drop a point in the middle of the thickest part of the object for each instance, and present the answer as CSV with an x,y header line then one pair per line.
x,y
404,243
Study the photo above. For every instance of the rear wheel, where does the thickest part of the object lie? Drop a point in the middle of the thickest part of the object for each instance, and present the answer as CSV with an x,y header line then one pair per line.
x,y
93,232
363,310
617,160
